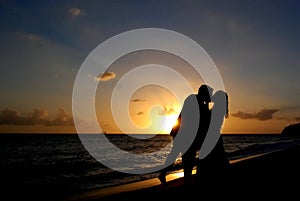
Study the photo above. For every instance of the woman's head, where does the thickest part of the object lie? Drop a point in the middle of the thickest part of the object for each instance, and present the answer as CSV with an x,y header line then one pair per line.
x,y
220,99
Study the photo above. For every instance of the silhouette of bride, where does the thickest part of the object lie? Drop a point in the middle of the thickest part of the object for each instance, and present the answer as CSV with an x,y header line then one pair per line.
x,y
212,168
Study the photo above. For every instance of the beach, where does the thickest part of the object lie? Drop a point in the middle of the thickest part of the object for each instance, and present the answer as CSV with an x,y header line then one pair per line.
x,y
270,175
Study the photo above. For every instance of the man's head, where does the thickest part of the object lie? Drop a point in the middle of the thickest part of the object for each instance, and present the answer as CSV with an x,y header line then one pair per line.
x,y
205,92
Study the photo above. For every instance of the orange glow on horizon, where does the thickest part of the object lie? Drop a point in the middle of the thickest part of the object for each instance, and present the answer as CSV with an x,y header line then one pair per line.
x,y
170,122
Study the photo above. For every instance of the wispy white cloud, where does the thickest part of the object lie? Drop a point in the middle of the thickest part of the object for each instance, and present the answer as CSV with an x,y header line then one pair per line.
x,y
76,12
32,37
138,100
233,25
167,111
105,76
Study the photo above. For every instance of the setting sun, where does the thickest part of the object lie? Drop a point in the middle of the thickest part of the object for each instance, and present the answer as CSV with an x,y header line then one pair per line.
x,y
169,122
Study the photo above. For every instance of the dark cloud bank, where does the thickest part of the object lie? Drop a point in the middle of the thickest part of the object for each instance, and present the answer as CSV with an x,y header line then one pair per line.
x,y
262,115
38,116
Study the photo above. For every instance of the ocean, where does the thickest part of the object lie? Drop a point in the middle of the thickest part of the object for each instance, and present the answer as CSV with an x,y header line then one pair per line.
x,y
59,165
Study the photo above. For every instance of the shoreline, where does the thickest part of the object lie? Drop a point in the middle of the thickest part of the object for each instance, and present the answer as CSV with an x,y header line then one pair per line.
x,y
248,174
133,186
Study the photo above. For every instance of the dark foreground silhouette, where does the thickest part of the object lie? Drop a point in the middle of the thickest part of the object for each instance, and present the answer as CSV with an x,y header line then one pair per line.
x,y
211,168
270,176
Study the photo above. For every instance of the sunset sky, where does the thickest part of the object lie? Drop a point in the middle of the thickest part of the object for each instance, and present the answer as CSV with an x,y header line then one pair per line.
x,y
254,44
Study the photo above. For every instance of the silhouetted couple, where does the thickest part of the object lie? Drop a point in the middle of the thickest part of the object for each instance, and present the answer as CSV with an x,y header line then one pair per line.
x,y
199,124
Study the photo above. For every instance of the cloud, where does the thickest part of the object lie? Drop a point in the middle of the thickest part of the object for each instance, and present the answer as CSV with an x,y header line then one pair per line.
x,y
262,115
283,118
105,76
32,37
62,119
297,118
75,12
167,111
38,116
231,24
12,117
137,100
